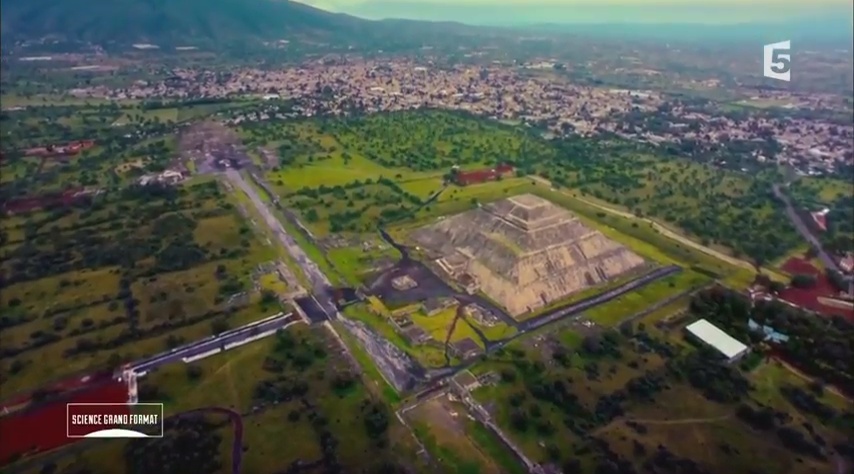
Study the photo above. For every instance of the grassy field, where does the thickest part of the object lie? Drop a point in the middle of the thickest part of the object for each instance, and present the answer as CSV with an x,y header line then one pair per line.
x,y
649,242
355,264
695,426
165,115
169,276
98,167
179,113
544,426
565,424
336,170
273,283
442,426
435,140
374,379
330,169
716,207
671,310
632,303
278,434
427,354
495,332
44,100
439,326
819,191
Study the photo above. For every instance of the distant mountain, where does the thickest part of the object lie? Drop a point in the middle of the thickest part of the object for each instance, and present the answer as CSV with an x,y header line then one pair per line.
x,y
810,31
173,21
826,21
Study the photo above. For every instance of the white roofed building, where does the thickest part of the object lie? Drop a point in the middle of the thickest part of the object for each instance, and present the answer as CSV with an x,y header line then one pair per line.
x,y
731,348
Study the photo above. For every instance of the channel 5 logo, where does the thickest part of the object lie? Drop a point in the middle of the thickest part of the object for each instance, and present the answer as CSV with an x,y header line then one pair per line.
x,y
777,61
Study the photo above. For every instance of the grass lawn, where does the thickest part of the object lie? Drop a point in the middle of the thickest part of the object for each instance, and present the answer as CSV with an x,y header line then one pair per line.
x,y
808,190
336,170
669,310
432,139
134,115
441,425
190,112
687,423
428,355
771,375
439,326
231,375
280,434
496,332
492,446
369,368
272,282
355,263
718,208
76,316
423,187
643,238
64,290
614,311
41,100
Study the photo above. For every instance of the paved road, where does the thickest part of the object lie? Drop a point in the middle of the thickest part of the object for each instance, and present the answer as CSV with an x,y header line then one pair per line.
x,y
320,284
214,342
596,300
395,364
803,229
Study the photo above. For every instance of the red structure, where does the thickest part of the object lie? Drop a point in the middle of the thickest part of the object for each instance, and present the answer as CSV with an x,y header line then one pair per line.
x,y
32,203
465,178
809,298
41,426
68,149
820,220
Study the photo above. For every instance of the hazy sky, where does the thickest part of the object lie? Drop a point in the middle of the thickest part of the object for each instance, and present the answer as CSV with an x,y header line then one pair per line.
x,y
587,11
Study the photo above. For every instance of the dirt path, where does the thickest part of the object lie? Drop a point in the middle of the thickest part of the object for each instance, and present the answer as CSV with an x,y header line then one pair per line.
x,y
450,334
683,421
236,423
806,378
664,231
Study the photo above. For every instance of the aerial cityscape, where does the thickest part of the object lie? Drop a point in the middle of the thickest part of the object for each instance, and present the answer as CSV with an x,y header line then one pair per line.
x,y
390,236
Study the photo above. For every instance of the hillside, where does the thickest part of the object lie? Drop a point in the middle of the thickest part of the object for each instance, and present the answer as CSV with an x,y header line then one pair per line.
x,y
173,21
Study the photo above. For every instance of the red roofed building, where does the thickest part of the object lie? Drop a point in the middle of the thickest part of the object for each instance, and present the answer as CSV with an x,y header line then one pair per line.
x,y
465,178
71,148
820,219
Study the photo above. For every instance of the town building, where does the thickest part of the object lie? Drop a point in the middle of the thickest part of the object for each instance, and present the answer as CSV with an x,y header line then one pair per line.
x,y
415,335
465,348
846,263
716,338
820,219
469,283
481,315
434,306
403,283
769,333
464,382
170,177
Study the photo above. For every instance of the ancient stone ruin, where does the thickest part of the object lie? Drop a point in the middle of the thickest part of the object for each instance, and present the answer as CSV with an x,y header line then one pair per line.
x,y
524,252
